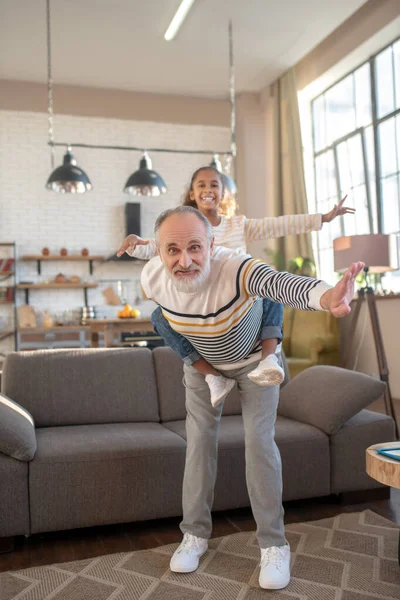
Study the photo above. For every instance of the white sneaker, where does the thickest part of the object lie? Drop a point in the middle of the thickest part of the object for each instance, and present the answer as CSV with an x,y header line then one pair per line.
x,y
275,567
220,387
186,557
268,372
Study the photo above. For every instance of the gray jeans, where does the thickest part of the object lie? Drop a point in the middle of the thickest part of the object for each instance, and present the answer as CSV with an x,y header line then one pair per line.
x,y
263,462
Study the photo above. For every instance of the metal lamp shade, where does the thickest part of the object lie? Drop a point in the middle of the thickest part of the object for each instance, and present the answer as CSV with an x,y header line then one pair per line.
x,y
379,252
229,184
69,179
145,181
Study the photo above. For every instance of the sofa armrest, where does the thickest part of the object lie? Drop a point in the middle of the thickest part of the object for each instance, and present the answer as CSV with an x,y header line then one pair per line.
x,y
17,430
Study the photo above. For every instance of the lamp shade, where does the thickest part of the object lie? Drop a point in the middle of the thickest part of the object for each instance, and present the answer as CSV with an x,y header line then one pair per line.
x,y
229,184
68,178
379,252
145,181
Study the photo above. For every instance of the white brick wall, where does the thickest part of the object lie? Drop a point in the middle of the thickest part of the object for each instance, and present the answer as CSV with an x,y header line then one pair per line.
x,y
35,217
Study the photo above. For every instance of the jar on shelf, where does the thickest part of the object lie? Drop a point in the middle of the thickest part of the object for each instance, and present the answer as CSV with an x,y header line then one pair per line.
x,y
48,321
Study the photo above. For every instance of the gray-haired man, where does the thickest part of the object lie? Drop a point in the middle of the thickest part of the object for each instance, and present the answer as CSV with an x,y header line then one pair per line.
x,y
213,296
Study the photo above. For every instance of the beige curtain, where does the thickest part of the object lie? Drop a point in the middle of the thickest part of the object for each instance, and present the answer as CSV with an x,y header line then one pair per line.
x,y
289,191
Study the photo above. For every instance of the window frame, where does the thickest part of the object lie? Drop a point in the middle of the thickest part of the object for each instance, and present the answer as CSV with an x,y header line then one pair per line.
x,y
375,123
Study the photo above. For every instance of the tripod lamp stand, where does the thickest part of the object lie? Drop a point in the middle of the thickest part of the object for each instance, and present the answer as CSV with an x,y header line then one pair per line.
x,y
380,253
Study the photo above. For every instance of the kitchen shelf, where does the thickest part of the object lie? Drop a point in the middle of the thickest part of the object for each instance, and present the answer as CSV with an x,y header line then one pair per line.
x,y
6,333
11,272
23,286
57,336
53,328
56,257
53,286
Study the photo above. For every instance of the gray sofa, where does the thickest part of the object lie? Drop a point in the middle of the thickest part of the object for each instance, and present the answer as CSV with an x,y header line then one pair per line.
x,y
110,435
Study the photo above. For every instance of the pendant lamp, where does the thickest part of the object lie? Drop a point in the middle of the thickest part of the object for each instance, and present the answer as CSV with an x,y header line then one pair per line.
x,y
69,178
145,181
229,184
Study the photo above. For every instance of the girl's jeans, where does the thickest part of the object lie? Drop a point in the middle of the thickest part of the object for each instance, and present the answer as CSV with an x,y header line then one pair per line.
x,y
271,327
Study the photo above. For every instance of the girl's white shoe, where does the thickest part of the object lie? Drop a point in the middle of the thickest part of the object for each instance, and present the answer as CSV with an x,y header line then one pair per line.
x,y
220,387
268,372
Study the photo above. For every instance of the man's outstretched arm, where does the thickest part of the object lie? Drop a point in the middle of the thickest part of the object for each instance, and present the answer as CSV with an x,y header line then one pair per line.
x,y
304,293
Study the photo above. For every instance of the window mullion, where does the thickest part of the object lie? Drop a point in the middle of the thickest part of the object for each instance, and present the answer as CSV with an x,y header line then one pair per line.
x,y
378,187
389,116
338,186
366,179
339,141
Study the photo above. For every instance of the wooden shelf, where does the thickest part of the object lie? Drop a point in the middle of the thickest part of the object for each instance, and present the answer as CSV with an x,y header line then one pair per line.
x,y
54,328
8,271
55,286
115,320
38,286
59,257
4,333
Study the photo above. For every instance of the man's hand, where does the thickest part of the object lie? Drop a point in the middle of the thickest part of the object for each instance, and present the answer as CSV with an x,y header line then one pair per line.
x,y
337,300
130,243
337,211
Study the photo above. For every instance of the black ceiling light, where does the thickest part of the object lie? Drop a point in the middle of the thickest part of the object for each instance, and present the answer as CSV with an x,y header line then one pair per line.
x,y
229,184
145,181
68,178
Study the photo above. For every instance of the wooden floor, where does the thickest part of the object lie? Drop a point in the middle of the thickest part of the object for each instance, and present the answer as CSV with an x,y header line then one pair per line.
x,y
44,549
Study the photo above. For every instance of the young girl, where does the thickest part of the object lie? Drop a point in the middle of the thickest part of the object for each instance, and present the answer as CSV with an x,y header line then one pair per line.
x,y
206,193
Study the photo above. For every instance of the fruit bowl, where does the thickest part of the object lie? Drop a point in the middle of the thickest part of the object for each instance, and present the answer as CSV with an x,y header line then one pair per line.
x,y
128,312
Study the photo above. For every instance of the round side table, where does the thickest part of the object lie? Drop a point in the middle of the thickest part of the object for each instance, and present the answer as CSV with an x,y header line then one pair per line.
x,y
384,469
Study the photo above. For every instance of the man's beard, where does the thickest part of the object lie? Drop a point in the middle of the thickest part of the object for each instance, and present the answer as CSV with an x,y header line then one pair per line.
x,y
188,285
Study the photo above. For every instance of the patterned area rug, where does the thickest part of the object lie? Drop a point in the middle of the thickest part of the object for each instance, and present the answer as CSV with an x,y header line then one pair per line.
x,y
348,557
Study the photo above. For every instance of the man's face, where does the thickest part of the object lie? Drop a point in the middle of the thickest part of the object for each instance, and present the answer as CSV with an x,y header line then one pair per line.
x,y
185,251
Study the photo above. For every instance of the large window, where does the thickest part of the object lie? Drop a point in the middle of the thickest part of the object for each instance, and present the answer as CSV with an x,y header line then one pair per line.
x,y
356,144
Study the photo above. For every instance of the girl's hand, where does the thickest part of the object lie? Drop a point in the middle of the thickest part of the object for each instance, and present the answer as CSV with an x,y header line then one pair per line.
x,y
130,243
337,211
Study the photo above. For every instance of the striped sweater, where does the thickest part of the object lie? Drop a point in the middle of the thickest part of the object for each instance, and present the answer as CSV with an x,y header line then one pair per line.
x,y
223,319
237,231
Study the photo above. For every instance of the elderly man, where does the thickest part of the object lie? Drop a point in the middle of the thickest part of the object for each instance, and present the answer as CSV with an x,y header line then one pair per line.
x,y
213,297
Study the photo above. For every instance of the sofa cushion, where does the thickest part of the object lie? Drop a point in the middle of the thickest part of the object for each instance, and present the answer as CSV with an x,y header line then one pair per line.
x,y
102,474
78,387
17,430
304,451
327,397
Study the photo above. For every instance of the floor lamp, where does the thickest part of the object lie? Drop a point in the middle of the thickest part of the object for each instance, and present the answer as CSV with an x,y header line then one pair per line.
x,y
380,253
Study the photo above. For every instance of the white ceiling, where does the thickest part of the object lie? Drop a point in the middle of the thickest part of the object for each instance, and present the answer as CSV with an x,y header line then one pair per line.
x,y
120,43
